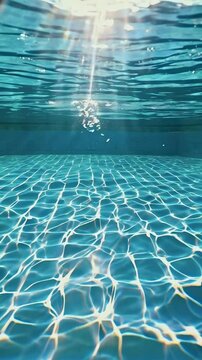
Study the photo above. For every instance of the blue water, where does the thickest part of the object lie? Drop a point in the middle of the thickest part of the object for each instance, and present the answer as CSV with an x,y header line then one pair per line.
x,y
100,204
100,257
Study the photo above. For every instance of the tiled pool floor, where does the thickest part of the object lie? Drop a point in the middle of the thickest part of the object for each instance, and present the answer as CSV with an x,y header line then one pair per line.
x,y
100,257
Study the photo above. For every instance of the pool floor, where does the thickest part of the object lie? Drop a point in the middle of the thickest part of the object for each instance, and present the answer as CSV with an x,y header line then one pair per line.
x,y
100,257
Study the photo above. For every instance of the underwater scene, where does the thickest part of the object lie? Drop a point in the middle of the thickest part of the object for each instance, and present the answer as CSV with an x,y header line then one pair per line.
x,y
100,180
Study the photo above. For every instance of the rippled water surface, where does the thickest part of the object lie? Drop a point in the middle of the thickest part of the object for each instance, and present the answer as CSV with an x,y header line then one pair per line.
x,y
147,65
100,251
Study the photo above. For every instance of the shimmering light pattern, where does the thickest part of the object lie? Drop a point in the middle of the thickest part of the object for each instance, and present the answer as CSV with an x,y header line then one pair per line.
x,y
100,10
100,257
147,66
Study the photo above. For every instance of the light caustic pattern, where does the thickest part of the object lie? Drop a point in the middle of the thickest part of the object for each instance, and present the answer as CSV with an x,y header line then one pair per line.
x,y
100,257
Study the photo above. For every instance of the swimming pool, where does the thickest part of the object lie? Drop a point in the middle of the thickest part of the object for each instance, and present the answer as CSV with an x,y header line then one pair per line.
x,y
101,195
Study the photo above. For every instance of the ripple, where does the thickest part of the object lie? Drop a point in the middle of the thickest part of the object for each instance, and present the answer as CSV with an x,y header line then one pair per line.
x,y
150,76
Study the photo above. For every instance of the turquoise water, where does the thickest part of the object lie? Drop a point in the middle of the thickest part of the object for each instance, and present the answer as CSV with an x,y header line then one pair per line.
x,y
100,257
100,180
148,78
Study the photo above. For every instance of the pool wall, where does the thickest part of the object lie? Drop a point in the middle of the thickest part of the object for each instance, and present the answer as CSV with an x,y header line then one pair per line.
x,y
16,142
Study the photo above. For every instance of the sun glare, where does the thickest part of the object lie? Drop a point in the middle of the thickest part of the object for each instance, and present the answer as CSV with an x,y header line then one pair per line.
x,y
91,7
